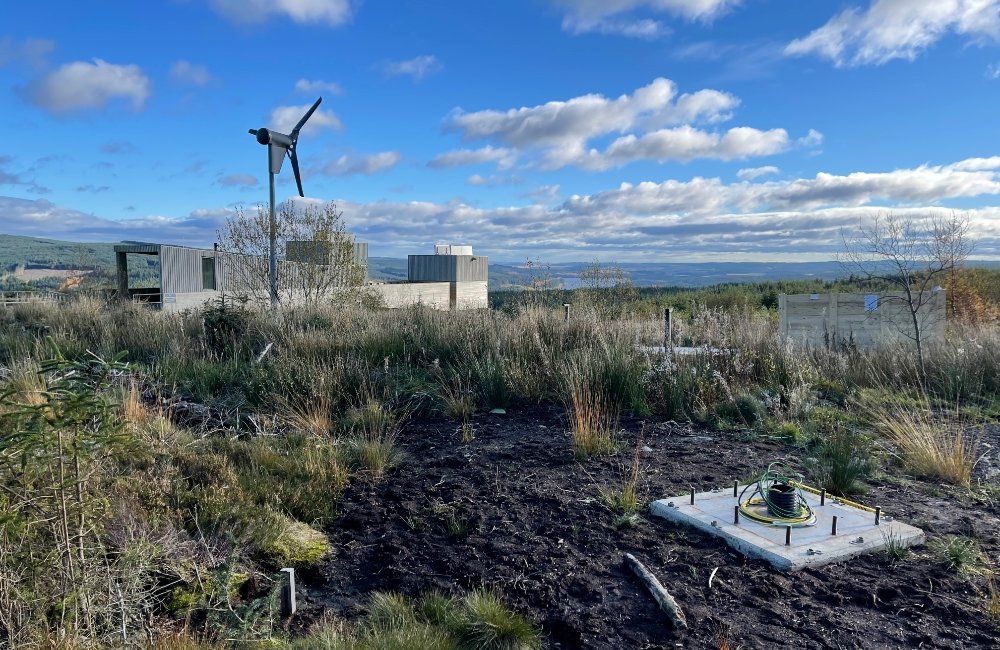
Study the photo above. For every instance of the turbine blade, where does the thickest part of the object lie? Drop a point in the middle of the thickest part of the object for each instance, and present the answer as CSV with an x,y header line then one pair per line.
x,y
298,127
295,170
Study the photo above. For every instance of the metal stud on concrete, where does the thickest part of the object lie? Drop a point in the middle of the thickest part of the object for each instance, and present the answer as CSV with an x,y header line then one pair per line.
x,y
830,540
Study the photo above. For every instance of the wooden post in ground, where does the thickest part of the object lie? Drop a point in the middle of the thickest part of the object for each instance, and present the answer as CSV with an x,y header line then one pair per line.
x,y
668,330
121,264
566,311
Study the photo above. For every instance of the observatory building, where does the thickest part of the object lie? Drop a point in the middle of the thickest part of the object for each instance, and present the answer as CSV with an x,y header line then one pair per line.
x,y
452,278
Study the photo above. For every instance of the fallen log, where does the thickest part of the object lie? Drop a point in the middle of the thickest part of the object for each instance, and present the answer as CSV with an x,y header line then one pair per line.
x,y
661,595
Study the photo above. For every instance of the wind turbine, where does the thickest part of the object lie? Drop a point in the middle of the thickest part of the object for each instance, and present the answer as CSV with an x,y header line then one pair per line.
x,y
278,146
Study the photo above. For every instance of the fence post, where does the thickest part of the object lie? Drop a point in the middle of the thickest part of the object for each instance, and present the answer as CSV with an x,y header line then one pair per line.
x,y
782,316
668,329
288,593
566,311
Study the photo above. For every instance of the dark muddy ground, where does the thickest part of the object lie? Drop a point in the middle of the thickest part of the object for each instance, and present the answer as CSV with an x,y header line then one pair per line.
x,y
514,511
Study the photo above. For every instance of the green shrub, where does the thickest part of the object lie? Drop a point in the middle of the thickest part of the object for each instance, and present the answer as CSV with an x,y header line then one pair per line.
x,y
227,326
747,410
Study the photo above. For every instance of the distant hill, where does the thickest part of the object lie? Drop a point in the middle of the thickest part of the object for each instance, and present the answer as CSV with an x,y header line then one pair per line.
x,y
38,253
34,252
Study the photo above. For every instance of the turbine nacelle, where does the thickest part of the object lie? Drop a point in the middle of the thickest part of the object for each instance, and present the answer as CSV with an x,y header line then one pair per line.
x,y
267,136
279,145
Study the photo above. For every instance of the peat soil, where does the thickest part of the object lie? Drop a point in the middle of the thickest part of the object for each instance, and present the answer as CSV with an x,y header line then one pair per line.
x,y
514,511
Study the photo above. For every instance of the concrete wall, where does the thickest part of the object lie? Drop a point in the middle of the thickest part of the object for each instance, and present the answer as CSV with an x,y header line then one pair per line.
x,y
437,295
182,283
866,320
193,300
433,294
471,295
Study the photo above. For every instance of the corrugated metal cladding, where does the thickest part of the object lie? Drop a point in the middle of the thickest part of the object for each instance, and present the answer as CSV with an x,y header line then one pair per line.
x,y
319,252
448,268
361,253
181,269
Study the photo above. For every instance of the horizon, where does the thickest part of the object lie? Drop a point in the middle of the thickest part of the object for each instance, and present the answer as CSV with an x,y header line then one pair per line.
x,y
640,131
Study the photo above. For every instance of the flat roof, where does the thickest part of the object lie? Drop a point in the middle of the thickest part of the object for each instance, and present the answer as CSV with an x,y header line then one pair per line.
x,y
145,249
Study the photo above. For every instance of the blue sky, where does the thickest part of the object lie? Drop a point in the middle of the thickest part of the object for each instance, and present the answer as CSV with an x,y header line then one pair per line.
x,y
629,130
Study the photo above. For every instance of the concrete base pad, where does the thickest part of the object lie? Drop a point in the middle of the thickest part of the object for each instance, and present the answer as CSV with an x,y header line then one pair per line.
x,y
713,512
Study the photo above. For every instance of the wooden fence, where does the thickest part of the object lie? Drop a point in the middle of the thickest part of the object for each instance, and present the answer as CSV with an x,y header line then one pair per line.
x,y
864,320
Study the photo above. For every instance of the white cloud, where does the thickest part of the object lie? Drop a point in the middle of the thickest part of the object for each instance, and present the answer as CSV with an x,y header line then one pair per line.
x,y
238,180
503,157
116,147
329,12
645,28
993,71
811,140
30,51
559,131
700,218
44,218
897,29
686,143
493,180
751,173
313,86
81,85
977,164
350,164
284,118
16,178
187,73
604,16
543,193
418,67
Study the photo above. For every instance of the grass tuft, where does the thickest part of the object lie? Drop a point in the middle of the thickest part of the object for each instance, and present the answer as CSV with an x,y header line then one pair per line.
x,y
491,624
959,554
624,500
894,551
593,416
389,611
372,442
941,445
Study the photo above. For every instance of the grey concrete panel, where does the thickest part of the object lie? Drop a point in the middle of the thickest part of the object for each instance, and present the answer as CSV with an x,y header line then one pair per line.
x,y
857,533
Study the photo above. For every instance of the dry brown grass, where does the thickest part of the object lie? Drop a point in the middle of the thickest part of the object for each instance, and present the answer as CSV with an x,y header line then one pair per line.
x,y
993,599
593,420
26,385
133,409
313,417
933,444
